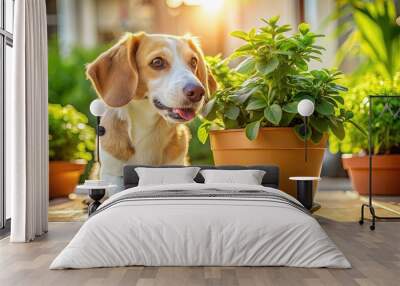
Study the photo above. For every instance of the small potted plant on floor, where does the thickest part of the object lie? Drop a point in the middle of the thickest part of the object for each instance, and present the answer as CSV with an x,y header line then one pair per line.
x,y
385,137
71,142
253,119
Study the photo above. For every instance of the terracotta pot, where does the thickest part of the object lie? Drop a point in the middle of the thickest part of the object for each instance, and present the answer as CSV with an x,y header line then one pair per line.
x,y
63,177
385,174
278,146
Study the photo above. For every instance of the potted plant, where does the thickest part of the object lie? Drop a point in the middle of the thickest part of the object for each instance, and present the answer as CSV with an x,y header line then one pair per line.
x,y
71,142
375,39
385,137
253,119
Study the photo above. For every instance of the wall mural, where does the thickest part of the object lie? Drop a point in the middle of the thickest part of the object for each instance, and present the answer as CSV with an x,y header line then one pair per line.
x,y
220,96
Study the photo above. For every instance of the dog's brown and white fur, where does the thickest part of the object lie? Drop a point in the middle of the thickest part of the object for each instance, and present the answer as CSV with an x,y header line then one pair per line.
x,y
152,84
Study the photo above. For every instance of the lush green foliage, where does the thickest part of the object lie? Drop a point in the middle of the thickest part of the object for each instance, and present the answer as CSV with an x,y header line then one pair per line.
x,y
385,125
267,85
373,38
70,136
371,35
67,80
224,75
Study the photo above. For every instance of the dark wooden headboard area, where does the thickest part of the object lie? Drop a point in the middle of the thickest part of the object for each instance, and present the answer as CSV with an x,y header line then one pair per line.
x,y
271,177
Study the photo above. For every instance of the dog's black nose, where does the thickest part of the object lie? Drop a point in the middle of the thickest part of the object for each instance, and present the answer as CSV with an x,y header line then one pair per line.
x,y
194,92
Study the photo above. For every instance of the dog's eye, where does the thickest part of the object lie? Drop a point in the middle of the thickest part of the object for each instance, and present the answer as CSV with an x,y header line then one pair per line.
x,y
158,63
193,62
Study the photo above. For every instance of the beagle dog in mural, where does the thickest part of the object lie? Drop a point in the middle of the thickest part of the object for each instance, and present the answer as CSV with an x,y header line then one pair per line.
x,y
152,85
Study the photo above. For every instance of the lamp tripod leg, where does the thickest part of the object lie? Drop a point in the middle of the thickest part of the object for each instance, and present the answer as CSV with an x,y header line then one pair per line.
x,y
305,138
98,140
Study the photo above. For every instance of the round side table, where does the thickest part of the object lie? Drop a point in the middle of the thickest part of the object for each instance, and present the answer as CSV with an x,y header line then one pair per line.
x,y
96,193
305,192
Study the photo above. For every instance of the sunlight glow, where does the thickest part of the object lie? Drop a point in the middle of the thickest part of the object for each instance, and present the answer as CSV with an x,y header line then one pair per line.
x,y
174,3
211,6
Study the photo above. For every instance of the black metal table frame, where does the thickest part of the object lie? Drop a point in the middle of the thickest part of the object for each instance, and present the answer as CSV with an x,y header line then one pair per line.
x,y
369,205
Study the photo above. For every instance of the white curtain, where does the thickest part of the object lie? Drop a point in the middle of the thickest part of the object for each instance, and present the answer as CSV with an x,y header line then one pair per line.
x,y
26,124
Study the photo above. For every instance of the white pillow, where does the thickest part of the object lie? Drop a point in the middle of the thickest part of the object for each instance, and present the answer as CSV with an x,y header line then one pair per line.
x,y
248,177
166,176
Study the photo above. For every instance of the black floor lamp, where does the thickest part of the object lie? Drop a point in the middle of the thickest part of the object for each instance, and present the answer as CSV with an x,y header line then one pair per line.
x,y
305,108
305,183
96,188
97,109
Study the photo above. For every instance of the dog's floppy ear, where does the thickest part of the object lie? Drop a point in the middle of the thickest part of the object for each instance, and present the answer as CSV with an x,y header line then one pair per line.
x,y
114,74
203,72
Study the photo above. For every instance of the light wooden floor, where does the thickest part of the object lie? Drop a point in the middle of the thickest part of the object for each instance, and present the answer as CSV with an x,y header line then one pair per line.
x,y
375,257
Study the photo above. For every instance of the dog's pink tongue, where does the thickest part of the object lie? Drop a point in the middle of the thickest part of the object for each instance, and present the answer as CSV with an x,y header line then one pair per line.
x,y
185,113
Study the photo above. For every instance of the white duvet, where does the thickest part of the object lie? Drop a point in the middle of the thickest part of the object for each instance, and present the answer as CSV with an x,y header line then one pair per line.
x,y
192,231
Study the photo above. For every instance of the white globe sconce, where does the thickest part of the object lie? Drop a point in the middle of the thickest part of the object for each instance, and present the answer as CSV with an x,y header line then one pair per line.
x,y
305,107
97,108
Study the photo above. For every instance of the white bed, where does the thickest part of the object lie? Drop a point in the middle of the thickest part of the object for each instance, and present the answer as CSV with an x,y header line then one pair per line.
x,y
183,230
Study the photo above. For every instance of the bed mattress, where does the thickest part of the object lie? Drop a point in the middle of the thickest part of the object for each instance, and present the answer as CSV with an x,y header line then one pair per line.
x,y
201,225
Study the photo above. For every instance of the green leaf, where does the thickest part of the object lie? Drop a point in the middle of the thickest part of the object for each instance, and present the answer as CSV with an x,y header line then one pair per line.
x,y
231,124
241,96
247,47
208,107
284,28
286,118
321,124
252,130
247,66
325,108
202,131
304,96
273,113
319,74
258,103
301,64
318,47
340,87
316,58
273,20
316,136
267,67
286,53
300,133
232,112
237,54
240,34
337,129
252,33
338,98
331,101
291,107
